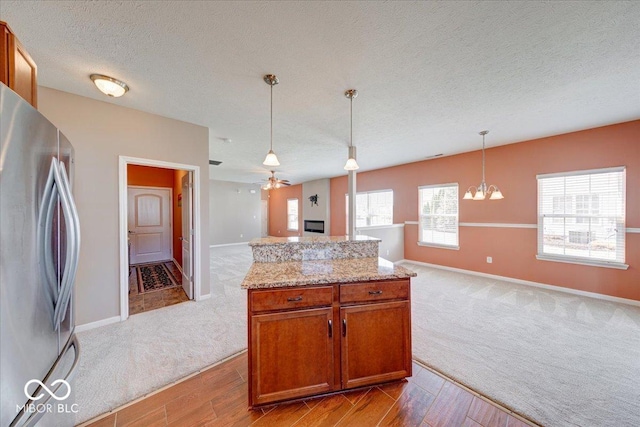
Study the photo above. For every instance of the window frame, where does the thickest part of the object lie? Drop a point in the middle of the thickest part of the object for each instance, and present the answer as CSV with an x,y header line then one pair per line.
x,y
421,242
346,202
620,261
297,214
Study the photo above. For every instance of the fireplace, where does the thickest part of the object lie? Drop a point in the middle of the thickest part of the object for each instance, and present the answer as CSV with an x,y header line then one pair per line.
x,y
313,226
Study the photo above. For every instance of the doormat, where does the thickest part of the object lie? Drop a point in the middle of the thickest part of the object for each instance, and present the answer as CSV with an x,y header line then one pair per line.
x,y
155,277
176,274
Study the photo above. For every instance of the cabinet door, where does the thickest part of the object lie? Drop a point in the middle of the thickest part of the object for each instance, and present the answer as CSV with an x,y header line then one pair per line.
x,y
291,355
18,71
376,343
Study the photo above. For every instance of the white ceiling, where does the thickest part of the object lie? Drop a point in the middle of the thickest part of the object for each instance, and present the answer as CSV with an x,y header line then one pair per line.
x,y
430,75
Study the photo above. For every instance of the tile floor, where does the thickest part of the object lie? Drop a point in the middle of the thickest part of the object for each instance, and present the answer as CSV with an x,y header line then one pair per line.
x,y
218,397
141,302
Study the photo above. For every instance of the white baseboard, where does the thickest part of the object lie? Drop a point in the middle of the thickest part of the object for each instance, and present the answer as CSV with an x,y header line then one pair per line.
x,y
528,283
228,244
97,324
204,297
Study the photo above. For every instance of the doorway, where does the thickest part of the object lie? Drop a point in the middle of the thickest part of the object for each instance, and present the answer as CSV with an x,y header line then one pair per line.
x,y
149,223
159,239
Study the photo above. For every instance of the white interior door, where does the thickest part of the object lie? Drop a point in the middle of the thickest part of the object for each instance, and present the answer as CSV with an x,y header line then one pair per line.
x,y
187,235
149,222
264,205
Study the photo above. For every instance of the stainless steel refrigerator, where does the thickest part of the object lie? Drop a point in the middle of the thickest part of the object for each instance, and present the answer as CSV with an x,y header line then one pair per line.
x,y
39,249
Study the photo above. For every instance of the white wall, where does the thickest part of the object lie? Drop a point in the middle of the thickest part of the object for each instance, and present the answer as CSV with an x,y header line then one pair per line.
x,y
235,214
322,211
100,132
392,236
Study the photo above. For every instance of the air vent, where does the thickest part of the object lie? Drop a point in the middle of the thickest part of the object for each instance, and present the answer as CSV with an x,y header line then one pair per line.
x,y
214,162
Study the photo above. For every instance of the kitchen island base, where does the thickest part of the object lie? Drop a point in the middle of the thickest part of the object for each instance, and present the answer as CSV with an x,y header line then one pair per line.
x,y
313,340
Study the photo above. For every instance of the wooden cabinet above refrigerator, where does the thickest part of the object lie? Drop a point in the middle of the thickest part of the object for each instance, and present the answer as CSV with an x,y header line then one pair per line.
x,y
17,69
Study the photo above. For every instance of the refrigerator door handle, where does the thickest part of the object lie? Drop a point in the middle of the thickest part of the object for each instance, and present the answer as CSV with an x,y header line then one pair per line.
x,y
73,244
28,419
45,232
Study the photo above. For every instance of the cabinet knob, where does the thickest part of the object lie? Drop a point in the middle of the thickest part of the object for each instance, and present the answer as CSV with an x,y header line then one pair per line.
x,y
330,329
379,292
344,327
295,299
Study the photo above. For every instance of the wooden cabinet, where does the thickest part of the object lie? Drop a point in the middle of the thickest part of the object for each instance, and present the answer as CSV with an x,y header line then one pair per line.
x,y
376,343
17,69
311,340
291,354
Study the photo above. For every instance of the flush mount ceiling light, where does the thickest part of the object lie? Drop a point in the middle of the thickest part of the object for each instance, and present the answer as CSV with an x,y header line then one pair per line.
x,y
351,164
482,191
271,159
109,86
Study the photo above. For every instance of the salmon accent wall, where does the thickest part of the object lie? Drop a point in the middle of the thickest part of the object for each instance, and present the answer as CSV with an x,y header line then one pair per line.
x,y
149,176
513,168
278,210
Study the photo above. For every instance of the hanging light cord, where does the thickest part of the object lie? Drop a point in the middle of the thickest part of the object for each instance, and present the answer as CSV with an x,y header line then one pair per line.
x,y
271,146
351,112
483,180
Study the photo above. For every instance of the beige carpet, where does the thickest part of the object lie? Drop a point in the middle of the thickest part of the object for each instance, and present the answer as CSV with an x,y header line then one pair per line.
x,y
559,359
126,360
556,358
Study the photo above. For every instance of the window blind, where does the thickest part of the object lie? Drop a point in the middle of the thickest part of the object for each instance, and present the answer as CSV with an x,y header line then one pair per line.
x,y
292,214
438,214
581,215
372,208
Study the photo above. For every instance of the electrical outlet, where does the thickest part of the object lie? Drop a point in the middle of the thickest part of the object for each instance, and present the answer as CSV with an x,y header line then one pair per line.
x,y
387,252
489,260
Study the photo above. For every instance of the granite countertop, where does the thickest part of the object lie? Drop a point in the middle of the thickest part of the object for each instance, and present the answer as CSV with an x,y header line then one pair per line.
x,y
264,241
318,272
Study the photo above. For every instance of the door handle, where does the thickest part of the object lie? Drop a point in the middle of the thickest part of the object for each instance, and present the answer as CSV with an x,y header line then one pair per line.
x,y
45,235
180,238
27,419
132,232
330,329
73,244
344,327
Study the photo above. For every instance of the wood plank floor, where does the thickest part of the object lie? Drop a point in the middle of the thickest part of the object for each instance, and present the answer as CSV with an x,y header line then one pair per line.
x,y
218,397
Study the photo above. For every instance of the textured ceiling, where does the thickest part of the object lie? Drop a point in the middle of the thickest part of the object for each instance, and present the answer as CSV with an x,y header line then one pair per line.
x,y
430,74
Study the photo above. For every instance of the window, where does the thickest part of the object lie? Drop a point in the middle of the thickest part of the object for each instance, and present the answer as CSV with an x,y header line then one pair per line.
x,y
292,214
581,217
438,206
372,208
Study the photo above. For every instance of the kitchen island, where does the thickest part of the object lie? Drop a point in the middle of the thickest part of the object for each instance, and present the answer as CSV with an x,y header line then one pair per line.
x,y
324,314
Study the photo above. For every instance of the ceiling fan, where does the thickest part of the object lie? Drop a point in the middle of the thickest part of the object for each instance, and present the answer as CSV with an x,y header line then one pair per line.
x,y
272,182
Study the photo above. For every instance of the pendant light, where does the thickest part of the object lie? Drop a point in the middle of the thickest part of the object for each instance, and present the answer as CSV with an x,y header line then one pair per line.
x,y
351,164
271,159
482,191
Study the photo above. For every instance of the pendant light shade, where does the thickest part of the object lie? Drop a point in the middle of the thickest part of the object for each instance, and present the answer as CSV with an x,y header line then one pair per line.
x,y
351,164
483,190
271,159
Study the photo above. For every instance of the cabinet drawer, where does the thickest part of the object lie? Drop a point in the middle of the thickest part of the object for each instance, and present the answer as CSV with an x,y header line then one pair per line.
x,y
374,291
287,299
